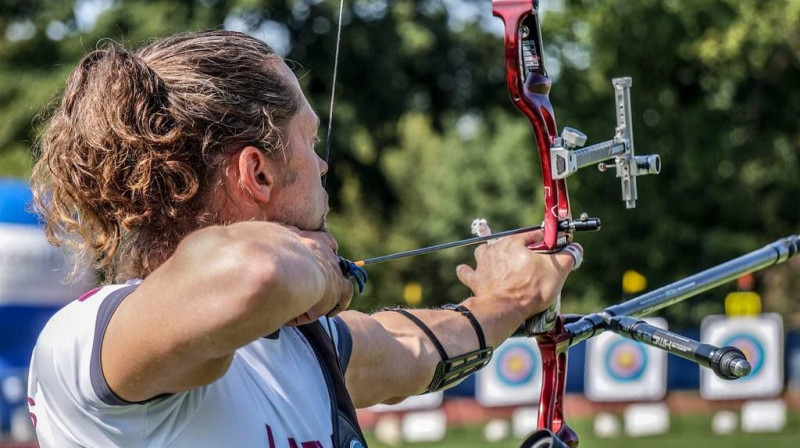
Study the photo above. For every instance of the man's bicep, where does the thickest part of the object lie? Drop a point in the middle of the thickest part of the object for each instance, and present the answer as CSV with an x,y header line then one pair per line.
x,y
138,355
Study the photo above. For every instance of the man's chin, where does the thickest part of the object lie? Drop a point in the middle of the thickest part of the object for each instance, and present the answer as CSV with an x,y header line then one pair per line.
x,y
323,225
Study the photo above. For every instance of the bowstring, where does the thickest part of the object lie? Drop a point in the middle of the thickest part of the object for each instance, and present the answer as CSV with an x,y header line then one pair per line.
x,y
328,153
333,94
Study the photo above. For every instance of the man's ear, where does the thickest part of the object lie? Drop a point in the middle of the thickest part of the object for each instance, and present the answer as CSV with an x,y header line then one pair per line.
x,y
257,174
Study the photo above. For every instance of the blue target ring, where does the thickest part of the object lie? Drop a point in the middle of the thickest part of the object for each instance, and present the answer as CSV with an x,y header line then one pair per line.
x,y
753,350
515,364
625,361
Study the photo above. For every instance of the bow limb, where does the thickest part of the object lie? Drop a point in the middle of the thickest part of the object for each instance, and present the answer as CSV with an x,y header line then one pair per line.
x,y
529,88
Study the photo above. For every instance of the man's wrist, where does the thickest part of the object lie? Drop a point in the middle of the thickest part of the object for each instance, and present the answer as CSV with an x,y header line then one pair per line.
x,y
491,307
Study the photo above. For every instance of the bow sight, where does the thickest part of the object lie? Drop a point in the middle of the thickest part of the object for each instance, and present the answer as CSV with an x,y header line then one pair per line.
x,y
566,159
529,87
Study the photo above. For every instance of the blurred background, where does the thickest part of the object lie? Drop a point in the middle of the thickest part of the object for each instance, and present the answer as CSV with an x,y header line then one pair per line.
x,y
425,140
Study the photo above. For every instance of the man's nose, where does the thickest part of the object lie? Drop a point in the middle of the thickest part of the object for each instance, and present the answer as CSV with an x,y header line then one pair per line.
x,y
323,166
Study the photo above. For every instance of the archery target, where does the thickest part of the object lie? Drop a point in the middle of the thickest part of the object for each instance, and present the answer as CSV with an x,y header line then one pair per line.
x,y
753,350
760,338
516,365
513,376
625,360
620,369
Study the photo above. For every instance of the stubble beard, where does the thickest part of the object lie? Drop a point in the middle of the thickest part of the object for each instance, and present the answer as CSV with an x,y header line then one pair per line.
x,y
323,223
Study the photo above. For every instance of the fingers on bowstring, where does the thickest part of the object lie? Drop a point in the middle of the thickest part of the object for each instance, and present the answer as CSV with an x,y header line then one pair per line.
x,y
465,274
479,251
570,255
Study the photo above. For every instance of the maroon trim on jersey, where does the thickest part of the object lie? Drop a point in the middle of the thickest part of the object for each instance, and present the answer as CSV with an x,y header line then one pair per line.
x,y
88,294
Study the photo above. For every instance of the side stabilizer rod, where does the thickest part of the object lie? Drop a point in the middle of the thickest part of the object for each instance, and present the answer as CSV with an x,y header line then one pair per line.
x,y
727,362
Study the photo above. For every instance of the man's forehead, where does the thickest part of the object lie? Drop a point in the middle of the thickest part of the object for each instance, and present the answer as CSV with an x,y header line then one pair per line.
x,y
306,112
308,115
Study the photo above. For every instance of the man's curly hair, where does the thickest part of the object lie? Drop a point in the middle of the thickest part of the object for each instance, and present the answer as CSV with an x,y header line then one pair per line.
x,y
129,158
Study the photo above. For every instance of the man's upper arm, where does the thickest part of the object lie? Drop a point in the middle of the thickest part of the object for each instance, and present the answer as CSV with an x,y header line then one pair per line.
x,y
179,329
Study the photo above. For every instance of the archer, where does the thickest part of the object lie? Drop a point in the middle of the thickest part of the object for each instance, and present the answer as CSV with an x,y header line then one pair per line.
x,y
186,172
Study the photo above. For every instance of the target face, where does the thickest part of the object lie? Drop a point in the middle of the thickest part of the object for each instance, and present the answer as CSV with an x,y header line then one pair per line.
x,y
513,376
753,350
625,361
619,369
515,364
760,338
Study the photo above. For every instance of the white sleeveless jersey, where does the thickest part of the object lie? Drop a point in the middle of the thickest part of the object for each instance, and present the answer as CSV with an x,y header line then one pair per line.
x,y
273,395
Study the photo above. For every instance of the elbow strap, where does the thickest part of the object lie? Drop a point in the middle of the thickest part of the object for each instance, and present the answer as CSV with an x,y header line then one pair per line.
x,y
451,371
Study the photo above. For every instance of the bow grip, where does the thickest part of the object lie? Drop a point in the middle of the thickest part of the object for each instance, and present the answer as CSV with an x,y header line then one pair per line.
x,y
544,321
541,323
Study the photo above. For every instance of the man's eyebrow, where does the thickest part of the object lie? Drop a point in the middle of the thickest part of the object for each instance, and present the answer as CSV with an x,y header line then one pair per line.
x,y
316,117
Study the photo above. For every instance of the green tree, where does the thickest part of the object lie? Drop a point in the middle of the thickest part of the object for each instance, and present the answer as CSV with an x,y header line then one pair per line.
x,y
425,138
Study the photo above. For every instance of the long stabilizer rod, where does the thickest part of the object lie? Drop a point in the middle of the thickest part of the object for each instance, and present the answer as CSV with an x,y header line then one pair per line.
x,y
771,254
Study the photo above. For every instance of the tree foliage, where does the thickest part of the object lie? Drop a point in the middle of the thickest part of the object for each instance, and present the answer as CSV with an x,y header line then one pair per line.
x,y
425,139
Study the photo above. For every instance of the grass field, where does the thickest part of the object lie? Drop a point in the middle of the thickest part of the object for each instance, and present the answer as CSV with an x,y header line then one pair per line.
x,y
686,431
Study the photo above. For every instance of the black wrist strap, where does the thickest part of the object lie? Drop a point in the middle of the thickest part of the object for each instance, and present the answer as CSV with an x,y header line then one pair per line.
x,y
475,324
425,329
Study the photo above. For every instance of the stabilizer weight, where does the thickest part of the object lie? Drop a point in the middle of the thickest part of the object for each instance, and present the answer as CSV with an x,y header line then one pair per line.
x,y
729,363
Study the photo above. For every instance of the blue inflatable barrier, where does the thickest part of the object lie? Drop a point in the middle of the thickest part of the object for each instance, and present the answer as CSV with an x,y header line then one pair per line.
x,y
31,291
15,201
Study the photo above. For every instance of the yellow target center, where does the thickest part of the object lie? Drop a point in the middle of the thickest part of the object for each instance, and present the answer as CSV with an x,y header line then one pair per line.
x,y
515,364
626,359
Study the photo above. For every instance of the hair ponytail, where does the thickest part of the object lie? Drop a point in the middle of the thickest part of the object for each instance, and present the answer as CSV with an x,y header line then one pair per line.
x,y
128,157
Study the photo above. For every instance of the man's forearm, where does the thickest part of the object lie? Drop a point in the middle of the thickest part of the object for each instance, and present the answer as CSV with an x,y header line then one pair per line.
x,y
397,359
